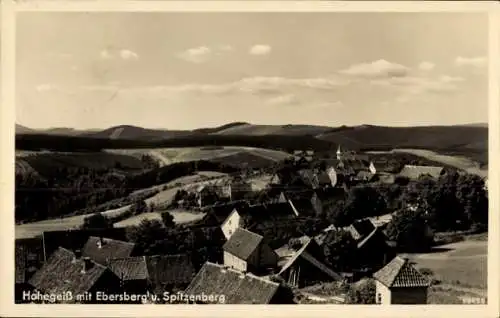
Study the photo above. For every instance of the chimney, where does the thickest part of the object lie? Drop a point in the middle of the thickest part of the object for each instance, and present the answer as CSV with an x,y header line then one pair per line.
x,y
100,242
87,264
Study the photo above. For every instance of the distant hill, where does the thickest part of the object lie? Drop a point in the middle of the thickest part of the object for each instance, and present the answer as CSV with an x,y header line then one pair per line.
x,y
468,140
20,129
284,130
63,131
136,133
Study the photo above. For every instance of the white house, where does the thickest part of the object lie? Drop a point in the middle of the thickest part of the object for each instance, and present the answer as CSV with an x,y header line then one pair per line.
x,y
246,217
247,252
399,282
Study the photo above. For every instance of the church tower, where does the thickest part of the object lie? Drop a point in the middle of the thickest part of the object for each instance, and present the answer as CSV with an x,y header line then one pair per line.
x,y
339,153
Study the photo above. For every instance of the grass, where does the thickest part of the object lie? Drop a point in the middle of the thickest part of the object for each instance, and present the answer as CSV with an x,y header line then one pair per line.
x,y
180,217
28,230
166,156
33,229
463,264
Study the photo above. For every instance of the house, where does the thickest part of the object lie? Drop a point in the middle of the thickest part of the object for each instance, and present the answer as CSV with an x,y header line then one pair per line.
x,y
206,195
218,213
252,215
415,172
101,250
302,268
169,272
372,249
304,203
132,272
67,274
156,273
235,189
75,239
247,252
229,286
399,282
320,178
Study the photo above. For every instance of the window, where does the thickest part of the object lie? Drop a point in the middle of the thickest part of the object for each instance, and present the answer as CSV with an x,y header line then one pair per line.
x,y
379,298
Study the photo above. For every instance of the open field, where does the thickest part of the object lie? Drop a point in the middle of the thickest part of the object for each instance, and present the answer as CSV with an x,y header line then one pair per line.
x,y
180,217
463,263
459,162
28,230
260,130
166,156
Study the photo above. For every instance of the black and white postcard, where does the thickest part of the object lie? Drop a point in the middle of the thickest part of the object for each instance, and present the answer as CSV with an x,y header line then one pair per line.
x,y
324,157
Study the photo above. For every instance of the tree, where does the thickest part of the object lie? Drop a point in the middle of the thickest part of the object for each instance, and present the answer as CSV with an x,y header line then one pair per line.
x,y
339,248
168,219
140,206
97,221
148,236
362,201
410,231
364,294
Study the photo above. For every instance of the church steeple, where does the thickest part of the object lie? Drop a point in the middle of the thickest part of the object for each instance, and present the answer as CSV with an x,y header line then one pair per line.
x,y
339,153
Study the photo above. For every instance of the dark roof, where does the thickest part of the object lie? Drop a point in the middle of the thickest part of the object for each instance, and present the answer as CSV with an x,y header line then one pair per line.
x,y
221,211
63,273
309,178
401,273
304,254
264,212
109,249
238,288
361,228
364,175
415,172
129,268
170,269
242,243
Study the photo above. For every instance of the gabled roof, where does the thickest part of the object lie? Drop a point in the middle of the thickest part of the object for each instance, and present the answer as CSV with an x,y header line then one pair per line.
x,y
170,269
311,259
63,273
266,212
415,172
309,178
129,268
361,228
400,273
237,287
108,250
242,243
221,211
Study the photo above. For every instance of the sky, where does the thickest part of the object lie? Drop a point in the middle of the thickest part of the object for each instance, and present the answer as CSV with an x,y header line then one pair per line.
x,y
192,70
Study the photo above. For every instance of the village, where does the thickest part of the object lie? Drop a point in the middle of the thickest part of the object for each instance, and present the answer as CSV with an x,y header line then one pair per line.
x,y
264,256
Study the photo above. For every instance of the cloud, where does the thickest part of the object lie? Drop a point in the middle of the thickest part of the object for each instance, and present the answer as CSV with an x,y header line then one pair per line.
x,y
45,88
128,55
287,99
196,55
451,79
124,54
106,55
479,61
426,66
260,49
419,85
380,68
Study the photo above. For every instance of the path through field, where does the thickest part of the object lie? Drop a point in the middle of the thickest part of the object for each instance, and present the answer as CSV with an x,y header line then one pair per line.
x,y
33,229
